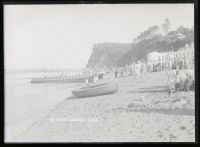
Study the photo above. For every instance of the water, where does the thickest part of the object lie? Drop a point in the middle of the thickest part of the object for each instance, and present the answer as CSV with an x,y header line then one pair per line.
x,y
26,103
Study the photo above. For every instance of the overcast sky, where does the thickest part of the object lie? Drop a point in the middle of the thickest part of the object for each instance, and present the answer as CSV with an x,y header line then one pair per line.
x,y
62,36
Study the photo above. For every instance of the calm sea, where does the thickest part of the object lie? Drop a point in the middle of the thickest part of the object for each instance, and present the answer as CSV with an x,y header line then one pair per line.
x,y
26,103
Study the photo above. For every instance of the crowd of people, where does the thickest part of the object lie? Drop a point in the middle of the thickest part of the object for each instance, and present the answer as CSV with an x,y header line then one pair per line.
x,y
184,81
180,62
134,69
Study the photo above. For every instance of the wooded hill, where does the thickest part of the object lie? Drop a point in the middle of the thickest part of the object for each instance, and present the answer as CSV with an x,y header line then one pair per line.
x,y
152,39
107,54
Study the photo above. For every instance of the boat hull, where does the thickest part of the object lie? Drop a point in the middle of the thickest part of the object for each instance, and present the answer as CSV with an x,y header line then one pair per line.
x,y
97,90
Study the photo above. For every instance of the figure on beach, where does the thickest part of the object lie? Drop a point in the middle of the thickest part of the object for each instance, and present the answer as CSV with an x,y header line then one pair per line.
x,y
93,80
138,68
143,67
116,72
133,70
184,81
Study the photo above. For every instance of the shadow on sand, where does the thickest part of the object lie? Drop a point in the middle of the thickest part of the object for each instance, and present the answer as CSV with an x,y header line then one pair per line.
x,y
72,98
168,111
76,98
153,89
156,87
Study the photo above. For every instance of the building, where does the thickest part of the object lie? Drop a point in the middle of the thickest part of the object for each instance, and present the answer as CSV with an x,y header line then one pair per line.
x,y
187,52
156,57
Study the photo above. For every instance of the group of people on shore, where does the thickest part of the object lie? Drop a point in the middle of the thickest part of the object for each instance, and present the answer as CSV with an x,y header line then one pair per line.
x,y
184,81
134,69
179,63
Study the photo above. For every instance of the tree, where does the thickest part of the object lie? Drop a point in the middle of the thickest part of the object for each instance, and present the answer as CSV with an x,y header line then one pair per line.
x,y
183,30
153,29
148,33
166,26
189,33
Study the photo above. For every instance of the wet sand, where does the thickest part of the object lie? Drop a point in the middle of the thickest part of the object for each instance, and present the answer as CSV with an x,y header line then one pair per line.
x,y
25,103
141,111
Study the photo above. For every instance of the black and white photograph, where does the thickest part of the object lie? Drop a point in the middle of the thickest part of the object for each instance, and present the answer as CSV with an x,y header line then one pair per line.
x,y
99,73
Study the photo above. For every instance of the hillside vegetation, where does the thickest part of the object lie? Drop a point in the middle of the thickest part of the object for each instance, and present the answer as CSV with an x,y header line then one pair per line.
x,y
152,39
107,54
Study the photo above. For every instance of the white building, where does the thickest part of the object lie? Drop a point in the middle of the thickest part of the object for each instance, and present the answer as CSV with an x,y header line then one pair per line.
x,y
156,57
187,52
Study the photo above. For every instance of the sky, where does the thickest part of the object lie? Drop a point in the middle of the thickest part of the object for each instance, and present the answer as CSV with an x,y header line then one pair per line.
x,y
62,36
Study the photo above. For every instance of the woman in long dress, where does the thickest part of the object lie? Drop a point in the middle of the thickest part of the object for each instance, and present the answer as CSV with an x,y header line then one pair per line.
x,y
116,72
138,68
133,70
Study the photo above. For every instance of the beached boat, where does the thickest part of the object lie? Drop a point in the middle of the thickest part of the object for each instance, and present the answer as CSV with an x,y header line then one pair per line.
x,y
96,90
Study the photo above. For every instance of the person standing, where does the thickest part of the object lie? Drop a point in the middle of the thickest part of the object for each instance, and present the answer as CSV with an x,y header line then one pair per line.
x,y
116,72
180,80
133,69
137,68
144,67
95,79
185,63
87,81
170,64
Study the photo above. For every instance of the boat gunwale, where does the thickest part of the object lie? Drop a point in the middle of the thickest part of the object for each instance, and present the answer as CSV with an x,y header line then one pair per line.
x,y
81,90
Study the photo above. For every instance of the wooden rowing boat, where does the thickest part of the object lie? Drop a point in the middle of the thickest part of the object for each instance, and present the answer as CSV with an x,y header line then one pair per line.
x,y
96,90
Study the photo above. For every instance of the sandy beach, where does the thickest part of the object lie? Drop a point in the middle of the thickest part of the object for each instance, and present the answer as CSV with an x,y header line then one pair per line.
x,y
141,111
26,103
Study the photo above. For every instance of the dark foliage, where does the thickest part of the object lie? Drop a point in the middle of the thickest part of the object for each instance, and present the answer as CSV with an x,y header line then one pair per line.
x,y
116,54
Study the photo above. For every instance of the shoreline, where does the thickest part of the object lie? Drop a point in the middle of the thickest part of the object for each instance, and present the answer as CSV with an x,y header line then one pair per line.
x,y
20,122
136,113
